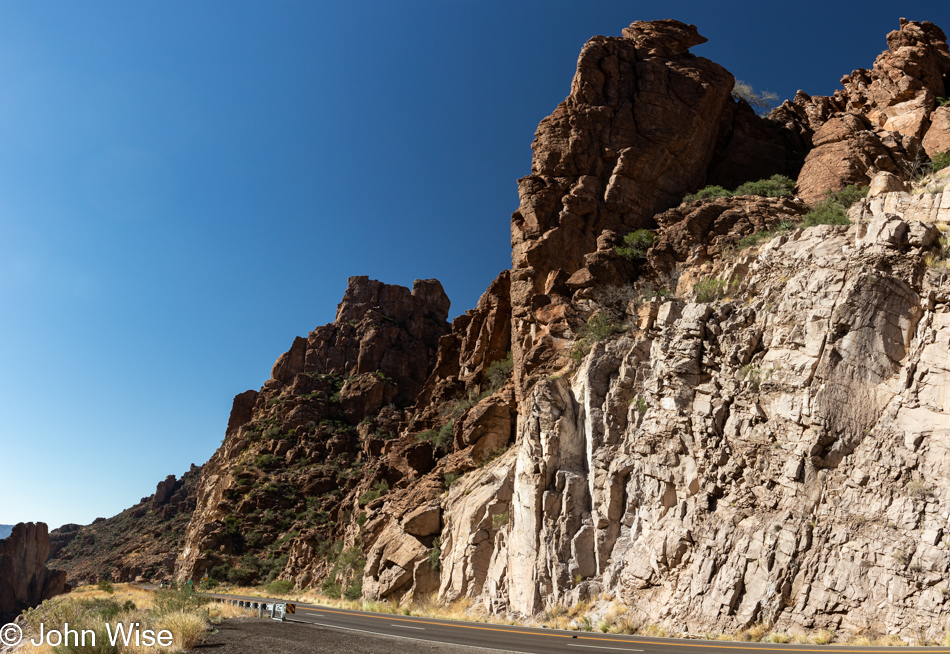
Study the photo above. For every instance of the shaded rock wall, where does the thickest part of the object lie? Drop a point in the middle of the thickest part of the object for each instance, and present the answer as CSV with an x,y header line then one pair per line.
x,y
24,579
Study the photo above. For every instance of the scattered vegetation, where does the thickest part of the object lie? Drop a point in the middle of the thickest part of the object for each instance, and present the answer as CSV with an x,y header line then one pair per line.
x,y
499,520
378,490
775,186
280,587
833,209
450,478
636,244
494,454
186,616
941,160
435,554
761,101
919,488
598,327
441,438
713,288
756,375
763,235
499,372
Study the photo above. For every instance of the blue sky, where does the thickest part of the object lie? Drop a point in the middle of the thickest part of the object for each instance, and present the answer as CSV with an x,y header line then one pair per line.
x,y
184,187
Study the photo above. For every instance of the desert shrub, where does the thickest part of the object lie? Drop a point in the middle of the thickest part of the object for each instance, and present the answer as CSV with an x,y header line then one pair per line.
x,y
272,432
850,194
636,244
440,438
280,587
761,101
833,209
266,461
435,554
451,478
499,372
943,102
941,160
106,586
776,186
597,328
175,600
754,239
331,588
499,520
919,488
708,193
354,589
494,454
242,576
378,490
827,212
712,288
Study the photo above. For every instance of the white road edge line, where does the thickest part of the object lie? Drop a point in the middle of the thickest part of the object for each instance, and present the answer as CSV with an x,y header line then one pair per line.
x,y
622,649
423,640
405,626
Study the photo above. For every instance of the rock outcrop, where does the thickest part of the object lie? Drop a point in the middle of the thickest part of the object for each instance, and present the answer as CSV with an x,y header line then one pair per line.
x,y
24,579
141,543
321,433
883,119
743,423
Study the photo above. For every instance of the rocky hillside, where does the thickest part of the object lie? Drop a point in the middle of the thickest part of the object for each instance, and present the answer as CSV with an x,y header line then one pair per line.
x,y
141,543
718,409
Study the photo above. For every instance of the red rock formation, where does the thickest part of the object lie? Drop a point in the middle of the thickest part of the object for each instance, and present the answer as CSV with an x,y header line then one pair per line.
x,y
25,581
877,121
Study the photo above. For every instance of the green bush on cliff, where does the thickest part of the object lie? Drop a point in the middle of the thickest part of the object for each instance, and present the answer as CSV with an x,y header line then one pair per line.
x,y
776,186
499,372
636,244
833,210
941,160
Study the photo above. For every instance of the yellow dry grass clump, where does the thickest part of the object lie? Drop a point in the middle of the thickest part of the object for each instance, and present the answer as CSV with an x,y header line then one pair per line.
x,y
185,615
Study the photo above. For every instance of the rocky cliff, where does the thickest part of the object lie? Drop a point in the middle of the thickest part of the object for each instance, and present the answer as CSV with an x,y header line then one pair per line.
x,y
740,420
141,543
24,579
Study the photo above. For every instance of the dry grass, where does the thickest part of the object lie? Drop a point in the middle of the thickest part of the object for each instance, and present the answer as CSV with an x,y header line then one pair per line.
x,y
187,618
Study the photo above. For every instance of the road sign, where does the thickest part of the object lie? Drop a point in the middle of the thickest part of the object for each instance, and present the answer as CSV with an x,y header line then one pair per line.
x,y
291,608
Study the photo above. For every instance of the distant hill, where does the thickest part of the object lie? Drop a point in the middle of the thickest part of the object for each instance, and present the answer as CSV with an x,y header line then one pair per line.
x,y
5,530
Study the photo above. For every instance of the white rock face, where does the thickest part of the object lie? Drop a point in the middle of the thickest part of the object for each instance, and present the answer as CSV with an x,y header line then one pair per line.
x,y
782,456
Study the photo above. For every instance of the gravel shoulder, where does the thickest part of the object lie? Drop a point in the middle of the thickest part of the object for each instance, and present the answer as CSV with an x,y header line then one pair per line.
x,y
254,635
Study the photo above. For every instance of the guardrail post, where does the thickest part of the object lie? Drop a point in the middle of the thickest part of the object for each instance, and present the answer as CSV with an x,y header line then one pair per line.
x,y
260,610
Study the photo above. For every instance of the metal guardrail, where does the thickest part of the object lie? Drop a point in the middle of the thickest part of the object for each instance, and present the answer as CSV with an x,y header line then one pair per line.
x,y
278,610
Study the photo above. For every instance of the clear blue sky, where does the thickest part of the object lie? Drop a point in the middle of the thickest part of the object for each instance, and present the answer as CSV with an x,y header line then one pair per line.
x,y
186,186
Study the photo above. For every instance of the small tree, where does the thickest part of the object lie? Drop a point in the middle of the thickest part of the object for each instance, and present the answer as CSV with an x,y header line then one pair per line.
x,y
762,101
636,244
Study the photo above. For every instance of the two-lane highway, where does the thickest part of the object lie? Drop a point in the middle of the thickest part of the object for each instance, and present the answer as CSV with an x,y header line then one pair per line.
x,y
533,640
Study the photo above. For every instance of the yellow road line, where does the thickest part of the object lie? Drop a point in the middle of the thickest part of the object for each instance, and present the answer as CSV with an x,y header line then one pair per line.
x,y
387,616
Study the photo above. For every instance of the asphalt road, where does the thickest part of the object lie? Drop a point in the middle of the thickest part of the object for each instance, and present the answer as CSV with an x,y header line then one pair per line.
x,y
504,638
